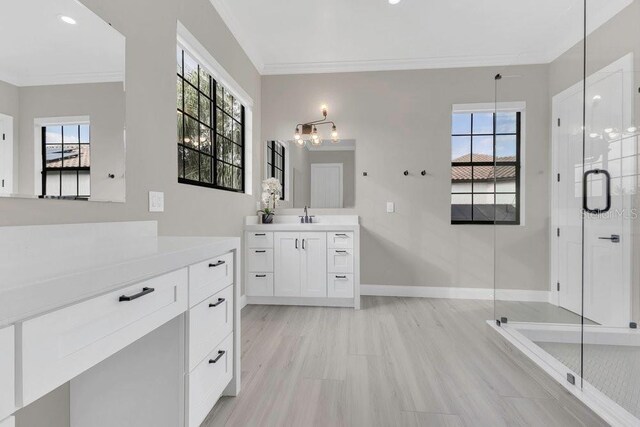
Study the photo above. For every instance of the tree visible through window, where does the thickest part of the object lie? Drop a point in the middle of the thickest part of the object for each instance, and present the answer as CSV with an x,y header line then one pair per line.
x,y
485,168
210,129
66,161
275,163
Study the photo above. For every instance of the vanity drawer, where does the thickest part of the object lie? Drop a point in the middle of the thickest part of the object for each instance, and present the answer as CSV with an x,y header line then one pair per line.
x,y
339,240
208,380
340,260
260,260
340,286
209,322
62,344
9,422
210,276
7,372
260,285
259,239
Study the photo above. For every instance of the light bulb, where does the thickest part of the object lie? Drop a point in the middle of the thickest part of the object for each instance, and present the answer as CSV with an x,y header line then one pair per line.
x,y
300,142
334,132
297,134
316,141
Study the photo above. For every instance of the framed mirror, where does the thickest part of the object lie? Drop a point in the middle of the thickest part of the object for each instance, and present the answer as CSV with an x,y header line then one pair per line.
x,y
318,176
62,103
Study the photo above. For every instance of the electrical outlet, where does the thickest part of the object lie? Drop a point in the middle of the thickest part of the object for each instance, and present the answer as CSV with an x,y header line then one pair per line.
x,y
156,201
391,207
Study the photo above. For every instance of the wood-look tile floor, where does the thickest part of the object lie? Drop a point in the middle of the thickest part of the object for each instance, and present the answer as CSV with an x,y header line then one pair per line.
x,y
396,362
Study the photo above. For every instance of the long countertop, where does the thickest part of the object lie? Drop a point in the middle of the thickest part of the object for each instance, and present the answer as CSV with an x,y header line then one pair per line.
x,y
38,279
292,223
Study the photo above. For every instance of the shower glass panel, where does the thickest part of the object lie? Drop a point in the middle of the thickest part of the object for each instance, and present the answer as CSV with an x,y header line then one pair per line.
x,y
611,348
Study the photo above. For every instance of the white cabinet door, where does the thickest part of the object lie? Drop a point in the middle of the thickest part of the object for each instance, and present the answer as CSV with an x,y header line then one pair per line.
x,y
314,264
287,252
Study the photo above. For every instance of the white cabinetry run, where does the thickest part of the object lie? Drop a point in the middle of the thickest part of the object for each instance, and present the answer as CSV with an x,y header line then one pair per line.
x,y
303,264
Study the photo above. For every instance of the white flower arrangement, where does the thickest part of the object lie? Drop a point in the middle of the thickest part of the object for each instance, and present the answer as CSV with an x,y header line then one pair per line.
x,y
271,192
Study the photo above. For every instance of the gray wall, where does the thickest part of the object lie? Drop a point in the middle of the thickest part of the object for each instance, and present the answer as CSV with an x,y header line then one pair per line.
x,y
104,103
150,29
348,160
402,120
10,105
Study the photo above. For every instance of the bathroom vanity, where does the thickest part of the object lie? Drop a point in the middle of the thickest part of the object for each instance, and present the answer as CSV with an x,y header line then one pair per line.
x,y
294,263
145,329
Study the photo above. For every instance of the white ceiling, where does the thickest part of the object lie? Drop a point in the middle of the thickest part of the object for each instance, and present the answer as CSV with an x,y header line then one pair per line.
x,y
37,48
304,36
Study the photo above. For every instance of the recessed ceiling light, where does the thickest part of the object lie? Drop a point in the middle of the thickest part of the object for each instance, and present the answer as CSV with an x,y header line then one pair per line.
x,y
67,19
394,1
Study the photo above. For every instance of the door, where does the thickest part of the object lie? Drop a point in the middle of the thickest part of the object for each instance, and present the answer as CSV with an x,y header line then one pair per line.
x,y
6,154
326,185
610,175
287,264
603,236
568,206
314,264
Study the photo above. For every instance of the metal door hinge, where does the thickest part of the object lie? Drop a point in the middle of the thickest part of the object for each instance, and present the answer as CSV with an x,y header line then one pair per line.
x,y
558,121
3,136
558,286
558,231
558,177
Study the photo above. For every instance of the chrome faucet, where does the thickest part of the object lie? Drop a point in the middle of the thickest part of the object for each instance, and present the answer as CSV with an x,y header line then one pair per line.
x,y
306,219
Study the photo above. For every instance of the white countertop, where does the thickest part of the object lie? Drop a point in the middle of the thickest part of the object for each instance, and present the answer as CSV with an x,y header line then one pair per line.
x,y
292,223
41,276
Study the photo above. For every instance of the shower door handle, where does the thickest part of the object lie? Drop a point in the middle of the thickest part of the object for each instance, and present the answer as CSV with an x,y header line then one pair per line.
x,y
585,202
615,238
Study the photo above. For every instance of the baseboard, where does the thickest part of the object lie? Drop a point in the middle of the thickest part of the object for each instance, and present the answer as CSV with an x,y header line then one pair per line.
x,y
301,301
454,293
243,301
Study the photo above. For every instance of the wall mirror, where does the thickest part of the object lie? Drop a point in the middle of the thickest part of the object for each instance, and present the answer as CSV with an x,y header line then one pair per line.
x,y
62,103
318,176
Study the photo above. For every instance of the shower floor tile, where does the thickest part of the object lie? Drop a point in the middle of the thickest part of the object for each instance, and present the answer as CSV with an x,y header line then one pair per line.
x,y
614,370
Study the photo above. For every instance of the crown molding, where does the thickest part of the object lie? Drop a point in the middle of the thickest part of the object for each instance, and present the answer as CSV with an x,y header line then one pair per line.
x,y
64,79
238,33
403,64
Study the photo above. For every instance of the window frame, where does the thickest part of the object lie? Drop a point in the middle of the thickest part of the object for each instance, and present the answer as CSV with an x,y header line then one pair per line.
x,y
215,137
271,164
519,109
61,169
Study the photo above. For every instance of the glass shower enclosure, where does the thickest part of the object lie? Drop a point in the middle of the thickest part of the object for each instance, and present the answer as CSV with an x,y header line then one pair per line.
x,y
578,317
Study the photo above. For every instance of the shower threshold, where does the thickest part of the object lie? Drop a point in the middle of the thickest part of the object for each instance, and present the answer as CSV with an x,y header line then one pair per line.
x,y
549,345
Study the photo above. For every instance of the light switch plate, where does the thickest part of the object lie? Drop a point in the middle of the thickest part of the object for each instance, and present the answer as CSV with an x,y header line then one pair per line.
x,y
156,201
391,207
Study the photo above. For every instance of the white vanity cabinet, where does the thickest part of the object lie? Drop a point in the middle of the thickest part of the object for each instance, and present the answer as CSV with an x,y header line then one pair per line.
x,y
303,264
146,334
300,264
7,376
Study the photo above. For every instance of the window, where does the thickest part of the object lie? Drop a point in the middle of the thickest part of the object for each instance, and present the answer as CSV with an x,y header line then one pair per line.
x,y
275,163
485,167
210,129
66,161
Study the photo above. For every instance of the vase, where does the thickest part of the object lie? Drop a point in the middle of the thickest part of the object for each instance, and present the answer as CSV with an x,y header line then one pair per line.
x,y
267,218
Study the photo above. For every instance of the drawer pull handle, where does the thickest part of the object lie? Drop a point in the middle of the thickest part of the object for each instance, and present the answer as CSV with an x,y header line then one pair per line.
x,y
220,301
261,275
217,264
341,277
303,243
296,243
261,252
220,354
341,252
144,292
341,235
259,234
